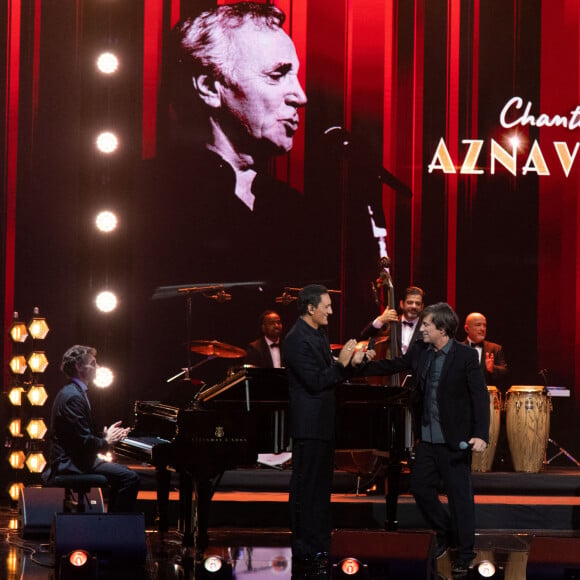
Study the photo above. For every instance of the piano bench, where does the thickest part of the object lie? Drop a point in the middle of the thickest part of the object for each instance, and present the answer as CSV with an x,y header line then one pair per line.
x,y
79,484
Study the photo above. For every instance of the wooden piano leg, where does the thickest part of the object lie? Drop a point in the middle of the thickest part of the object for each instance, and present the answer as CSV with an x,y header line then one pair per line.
x,y
392,485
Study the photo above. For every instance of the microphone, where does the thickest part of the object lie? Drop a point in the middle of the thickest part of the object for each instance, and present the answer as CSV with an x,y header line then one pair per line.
x,y
370,346
342,140
221,296
464,445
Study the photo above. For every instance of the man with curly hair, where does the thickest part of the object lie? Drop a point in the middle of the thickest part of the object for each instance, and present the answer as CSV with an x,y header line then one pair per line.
x,y
75,440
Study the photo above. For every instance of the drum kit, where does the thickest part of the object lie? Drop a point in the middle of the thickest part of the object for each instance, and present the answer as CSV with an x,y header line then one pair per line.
x,y
527,409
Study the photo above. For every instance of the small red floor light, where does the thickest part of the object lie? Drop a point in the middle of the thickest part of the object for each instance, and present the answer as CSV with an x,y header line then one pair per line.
x,y
350,566
78,558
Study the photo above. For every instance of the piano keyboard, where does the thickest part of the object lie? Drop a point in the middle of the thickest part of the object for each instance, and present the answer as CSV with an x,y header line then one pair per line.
x,y
139,447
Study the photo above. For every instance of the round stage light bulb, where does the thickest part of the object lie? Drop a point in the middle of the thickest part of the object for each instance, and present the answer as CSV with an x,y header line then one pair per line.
x,y
107,142
349,567
486,569
106,301
78,558
107,63
104,377
106,221
213,564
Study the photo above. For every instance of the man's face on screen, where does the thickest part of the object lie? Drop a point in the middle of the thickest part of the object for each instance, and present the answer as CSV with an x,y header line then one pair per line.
x,y
264,94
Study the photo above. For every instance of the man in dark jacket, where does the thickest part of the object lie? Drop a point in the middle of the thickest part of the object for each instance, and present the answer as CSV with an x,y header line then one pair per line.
x,y
450,407
75,440
313,374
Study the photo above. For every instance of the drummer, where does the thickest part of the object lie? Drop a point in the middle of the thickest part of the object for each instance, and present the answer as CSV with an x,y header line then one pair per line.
x,y
491,356
266,351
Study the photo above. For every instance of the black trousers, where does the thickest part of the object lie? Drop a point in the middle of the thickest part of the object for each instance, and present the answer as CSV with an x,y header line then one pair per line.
x,y
310,490
123,485
435,463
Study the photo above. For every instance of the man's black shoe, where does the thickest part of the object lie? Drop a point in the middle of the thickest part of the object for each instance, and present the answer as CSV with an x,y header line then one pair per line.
x,y
460,568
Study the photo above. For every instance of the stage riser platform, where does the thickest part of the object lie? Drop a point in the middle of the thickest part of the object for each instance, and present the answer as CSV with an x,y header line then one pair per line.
x,y
369,512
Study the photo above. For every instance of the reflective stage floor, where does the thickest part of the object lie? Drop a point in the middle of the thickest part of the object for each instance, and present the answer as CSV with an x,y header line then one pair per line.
x,y
528,527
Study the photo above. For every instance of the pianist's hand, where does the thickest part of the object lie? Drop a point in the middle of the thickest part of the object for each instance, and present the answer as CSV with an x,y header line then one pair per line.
x,y
115,433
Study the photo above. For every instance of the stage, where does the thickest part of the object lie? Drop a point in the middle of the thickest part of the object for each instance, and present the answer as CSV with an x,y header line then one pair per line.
x,y
519,516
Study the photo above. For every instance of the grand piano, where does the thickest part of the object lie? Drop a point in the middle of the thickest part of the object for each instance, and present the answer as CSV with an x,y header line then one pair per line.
x,y
226,425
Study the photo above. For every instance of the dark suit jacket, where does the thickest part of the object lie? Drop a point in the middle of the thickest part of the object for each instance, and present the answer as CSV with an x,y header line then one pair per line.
x,y
369,330
312,377
258,354
500,369
74,439
462,395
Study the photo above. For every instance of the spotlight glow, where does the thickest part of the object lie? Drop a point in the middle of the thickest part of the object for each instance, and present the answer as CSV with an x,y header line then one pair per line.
x,y
15,428
36,463
106,221
104,377
107,142
106,301
486,569
78,558
107,63
36,429
212,564
350,566
37,395
17,459
14,491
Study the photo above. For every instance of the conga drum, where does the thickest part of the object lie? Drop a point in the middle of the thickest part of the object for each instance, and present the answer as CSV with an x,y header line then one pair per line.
x,y
484,460
528,426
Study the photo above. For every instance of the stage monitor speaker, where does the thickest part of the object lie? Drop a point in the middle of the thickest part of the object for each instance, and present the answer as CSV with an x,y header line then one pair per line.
x,y
37,506
117,540
553,557
386,554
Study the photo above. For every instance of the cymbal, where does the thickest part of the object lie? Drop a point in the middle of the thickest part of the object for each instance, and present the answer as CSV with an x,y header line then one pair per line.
x,y
216,348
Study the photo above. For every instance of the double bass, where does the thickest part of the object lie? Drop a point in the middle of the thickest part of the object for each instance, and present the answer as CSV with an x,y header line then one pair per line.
x,y
382,286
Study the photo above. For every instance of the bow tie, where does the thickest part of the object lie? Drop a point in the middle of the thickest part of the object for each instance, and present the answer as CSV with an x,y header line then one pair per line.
x,y
476,344
407,323
275,345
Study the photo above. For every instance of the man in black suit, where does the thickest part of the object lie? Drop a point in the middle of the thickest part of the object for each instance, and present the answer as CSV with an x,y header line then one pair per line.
x,y
75,440
491,355
266,351
450,407
313,374
407,327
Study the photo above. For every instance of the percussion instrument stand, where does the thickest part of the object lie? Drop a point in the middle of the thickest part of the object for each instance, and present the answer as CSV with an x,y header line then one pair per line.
x,y
561,451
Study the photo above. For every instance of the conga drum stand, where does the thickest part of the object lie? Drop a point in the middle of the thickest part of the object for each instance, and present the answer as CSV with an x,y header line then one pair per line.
x,y
561,451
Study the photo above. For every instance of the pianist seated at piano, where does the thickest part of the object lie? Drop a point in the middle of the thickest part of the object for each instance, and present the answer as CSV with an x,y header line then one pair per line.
x,y
74,439
266,351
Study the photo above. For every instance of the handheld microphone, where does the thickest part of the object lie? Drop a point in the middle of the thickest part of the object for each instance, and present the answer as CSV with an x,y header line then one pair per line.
x,y
370,346
463,445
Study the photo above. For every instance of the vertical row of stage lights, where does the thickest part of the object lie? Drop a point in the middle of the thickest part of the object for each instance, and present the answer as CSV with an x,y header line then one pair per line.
x,y
27,397
106,221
